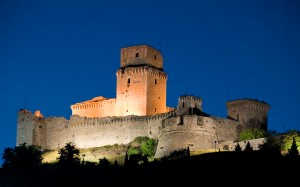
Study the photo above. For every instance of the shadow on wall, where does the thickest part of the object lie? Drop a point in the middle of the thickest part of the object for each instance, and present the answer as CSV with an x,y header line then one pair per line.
x,y
256,123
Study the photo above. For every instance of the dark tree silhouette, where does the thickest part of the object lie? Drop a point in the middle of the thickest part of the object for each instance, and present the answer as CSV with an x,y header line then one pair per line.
x,y
248,147
68,155
126,159
179,154
188,151
104,162
136,160
293,151
238,148
272,145
22,156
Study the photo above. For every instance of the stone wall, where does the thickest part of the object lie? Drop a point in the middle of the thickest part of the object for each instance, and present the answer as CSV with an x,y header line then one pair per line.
x,y
141,55
141,91
230,145
54,132
26,121
96,107
198,132
250,113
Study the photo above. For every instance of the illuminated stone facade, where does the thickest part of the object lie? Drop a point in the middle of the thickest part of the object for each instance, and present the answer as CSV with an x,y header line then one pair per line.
x,y
139,109
141,87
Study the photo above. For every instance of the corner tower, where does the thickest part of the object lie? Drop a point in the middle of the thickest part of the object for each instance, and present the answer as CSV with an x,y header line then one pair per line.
x,y
251,113
141,82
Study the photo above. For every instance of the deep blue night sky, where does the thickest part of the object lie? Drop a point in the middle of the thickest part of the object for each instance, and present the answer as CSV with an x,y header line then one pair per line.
x,y
56,53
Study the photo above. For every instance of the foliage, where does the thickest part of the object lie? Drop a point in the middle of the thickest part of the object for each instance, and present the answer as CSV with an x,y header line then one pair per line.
x,y
248,147
133,151
104,162
238,148
293,152
143,145
178,154
252,133
148,147
271,145
141,139
272,133
135,160
68,155
288,139
22,156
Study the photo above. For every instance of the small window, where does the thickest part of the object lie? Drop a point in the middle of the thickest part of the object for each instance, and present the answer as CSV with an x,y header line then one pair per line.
x,y
237,117
154,57
136,54
155,81
182,104
128,81
155,109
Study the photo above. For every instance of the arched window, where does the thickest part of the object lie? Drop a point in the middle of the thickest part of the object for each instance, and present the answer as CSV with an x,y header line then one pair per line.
x,y
226,148
136,54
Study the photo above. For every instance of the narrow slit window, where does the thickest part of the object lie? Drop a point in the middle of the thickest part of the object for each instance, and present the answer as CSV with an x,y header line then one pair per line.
x,y
155,81
155,109
136,54
154,57
128,81
182,104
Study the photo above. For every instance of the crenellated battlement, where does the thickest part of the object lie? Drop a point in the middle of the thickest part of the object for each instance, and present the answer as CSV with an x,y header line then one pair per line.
x,y
94,103
79,122
255,104
96,107
139,109
251,113
189,104
142,70
190,98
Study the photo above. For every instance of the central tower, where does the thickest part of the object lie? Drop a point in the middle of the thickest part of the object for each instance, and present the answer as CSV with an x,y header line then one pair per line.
x,y
141,82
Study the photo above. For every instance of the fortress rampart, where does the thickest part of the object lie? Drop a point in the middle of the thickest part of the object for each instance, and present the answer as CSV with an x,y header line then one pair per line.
x,y
251,113
54,132
143,70
97,107
139,109
198,132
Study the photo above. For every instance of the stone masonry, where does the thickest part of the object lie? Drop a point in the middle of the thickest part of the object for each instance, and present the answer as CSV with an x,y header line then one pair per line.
x,y
139,109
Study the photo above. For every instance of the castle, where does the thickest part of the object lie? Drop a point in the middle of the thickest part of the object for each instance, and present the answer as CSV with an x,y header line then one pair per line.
x,y
139,109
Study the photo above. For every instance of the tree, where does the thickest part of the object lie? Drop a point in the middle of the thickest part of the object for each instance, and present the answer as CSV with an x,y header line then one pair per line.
x,y
252,133
148,147
104,162
179,154
287,140
248,147
68,155
22,156
238,148
271,145
293,151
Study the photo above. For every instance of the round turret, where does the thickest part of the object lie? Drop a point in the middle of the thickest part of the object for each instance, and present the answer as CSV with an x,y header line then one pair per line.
x,y
251,113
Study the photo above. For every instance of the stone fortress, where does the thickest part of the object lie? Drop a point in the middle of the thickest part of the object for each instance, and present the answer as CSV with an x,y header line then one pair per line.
x,y
139,109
